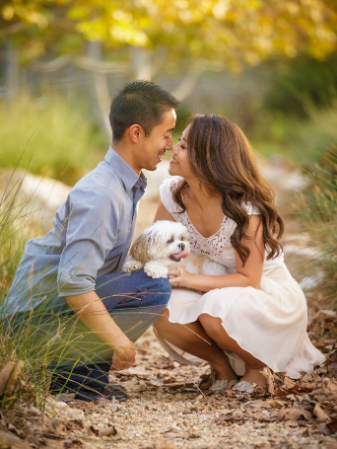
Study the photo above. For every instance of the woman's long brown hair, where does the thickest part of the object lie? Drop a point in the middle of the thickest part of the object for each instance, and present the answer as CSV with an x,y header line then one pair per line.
x,y
221,158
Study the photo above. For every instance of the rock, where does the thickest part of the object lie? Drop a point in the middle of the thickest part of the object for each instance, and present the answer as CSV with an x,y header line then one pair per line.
x,y
38,197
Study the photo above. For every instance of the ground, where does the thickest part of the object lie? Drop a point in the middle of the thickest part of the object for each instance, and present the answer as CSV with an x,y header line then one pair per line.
x,y
167,409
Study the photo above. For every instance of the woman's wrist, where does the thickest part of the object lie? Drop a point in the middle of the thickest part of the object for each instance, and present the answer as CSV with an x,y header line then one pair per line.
x,y
192,281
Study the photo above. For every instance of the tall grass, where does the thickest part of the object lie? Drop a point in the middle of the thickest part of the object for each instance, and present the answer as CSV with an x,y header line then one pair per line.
x,y
26,347
12,353
64,144
320,217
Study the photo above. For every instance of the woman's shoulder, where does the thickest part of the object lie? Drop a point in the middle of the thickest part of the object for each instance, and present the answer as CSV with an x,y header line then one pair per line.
x,y
250,208
166,191
171,183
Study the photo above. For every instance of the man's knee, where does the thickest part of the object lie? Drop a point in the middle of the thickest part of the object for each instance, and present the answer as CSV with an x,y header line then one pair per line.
x,y
159,291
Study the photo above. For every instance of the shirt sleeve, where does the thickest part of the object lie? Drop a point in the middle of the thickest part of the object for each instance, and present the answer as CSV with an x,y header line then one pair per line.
x,y
90,235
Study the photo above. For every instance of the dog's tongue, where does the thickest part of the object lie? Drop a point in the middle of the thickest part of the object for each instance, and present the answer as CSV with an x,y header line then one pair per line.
x,y
180,255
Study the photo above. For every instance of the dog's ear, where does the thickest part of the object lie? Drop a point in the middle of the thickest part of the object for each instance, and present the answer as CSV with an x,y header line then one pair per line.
x,y
139,249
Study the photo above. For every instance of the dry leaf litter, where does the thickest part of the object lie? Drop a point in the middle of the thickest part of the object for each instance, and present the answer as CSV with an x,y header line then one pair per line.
x,y
168,410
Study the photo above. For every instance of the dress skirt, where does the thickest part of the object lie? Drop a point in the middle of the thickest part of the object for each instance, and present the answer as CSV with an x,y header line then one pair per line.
x,y
270,322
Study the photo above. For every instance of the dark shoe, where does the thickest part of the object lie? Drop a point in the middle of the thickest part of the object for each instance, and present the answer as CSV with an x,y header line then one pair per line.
x,y
86,382
117,391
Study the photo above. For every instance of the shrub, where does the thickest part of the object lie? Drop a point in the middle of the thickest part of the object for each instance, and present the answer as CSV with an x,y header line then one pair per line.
x,y
63,143
320,217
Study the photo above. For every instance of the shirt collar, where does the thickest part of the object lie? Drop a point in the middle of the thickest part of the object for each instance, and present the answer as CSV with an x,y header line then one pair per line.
x,y
123,170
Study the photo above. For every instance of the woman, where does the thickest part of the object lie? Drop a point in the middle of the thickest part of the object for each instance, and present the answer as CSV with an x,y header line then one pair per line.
x,y
257,313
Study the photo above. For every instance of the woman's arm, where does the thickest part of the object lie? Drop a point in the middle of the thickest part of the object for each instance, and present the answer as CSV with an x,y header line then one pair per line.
x,y
162,213
245,276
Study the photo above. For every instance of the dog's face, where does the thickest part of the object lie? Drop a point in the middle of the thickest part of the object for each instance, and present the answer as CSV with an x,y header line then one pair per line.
x,y
163,240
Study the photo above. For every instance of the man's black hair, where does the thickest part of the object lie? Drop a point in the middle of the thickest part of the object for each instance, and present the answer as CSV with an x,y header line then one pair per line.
x,y
142,103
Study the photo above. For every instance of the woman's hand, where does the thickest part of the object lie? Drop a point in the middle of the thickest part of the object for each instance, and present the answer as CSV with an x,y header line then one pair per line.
x,y
124,354
182,278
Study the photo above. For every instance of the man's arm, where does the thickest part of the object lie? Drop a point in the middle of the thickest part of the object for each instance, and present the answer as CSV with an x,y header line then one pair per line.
x,y
94,315
91,234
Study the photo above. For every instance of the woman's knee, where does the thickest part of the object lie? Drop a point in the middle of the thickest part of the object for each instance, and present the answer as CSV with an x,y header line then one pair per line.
x,y
162,321
211,324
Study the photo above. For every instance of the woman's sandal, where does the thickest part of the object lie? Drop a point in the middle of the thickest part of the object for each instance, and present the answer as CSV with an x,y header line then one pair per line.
x,y
246,387
209,382
222,384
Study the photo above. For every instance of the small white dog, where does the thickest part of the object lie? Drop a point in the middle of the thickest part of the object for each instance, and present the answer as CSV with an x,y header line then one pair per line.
x,y
161,247
157,248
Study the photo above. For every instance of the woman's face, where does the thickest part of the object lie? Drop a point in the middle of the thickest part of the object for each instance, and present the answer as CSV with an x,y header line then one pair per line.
x,y
179,163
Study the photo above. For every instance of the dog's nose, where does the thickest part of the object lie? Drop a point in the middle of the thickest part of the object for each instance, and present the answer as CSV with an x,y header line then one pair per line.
x,y
181,246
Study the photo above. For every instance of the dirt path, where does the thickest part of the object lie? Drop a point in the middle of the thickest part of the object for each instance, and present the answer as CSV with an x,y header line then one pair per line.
x,y
166,410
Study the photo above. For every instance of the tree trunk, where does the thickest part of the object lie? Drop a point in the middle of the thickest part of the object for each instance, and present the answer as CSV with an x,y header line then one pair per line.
x,y
101,90
141,65
12,73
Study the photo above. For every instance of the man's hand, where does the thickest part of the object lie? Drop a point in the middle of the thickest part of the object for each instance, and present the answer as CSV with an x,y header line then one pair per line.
x,y
94,315
124,354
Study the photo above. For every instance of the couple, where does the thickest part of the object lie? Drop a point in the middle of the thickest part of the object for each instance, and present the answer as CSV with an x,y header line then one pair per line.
x,y
252,317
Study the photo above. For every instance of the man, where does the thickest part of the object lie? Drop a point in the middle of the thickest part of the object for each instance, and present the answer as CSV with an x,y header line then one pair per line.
x,y
74,272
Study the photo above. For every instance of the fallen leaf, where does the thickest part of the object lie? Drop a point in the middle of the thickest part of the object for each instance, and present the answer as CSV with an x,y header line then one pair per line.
x,y
72,443
266,372
173,433
320,415
294,414
322,428
52,428
280,392
332,426
291,423
170,444
9,374
106,431
331,445
32,411
193,436
331,386
276,403
320,344
7,440
74,424
329,313
260,404
289,383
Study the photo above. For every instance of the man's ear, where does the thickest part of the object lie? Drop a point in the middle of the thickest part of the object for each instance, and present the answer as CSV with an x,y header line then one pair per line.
x,y
135,132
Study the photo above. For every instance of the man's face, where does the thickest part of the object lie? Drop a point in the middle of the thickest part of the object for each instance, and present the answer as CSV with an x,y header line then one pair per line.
x,y
153,147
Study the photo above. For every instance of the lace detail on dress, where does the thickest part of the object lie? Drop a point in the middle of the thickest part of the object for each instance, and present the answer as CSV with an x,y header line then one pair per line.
x,y
215,246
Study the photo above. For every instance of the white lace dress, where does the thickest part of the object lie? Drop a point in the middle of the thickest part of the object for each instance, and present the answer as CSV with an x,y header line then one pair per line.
x,y
269,322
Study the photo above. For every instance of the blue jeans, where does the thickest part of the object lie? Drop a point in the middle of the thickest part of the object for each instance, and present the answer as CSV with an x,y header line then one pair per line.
x,y
80,358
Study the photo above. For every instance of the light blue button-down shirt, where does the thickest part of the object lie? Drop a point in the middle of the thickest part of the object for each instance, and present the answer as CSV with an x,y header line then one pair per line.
x,y
91,237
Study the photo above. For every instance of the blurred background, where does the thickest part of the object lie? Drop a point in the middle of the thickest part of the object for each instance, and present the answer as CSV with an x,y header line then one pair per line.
x,y
270,66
